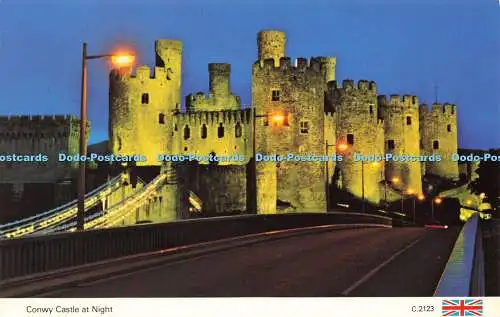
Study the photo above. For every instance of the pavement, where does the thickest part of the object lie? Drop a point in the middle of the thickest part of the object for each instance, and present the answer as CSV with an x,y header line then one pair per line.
x,y
356,262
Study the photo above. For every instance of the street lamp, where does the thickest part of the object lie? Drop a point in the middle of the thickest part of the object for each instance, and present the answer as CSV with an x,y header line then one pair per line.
x,y
119,60
437,201
410,192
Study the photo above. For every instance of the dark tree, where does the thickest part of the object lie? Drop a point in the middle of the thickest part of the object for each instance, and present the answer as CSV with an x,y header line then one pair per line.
x,y
489,179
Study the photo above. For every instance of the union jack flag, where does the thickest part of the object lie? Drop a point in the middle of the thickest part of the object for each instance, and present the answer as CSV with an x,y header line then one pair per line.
x,y
462,307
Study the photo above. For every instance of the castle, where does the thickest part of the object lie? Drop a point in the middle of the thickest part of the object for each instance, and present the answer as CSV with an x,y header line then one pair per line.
x,y
297,108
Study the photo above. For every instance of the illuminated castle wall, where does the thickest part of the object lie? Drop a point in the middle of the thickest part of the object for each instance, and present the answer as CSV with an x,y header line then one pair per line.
x,y
300,108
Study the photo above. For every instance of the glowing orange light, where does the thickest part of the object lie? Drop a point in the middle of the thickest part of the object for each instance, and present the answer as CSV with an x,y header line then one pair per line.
x,y
395,180
410,191
421,197
468,201
376,164
438,200
342,147
122,59
278,118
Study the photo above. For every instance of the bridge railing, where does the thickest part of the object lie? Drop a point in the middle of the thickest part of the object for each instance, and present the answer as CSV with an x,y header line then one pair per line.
x,y
58,215
464,273
36,254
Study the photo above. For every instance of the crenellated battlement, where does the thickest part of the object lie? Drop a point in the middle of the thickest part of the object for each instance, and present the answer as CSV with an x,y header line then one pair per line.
x,y
348,84
215,117
314,64
41,126
42,119
439,109
407,101
142,72
201,96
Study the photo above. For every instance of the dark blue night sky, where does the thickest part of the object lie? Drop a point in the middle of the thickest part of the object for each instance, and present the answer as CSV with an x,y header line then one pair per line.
x,y
406,46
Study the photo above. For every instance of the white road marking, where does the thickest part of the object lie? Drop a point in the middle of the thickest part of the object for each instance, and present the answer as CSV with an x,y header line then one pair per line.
x,y
378,268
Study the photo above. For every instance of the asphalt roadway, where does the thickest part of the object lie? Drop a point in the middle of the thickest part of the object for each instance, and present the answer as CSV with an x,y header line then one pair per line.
x,y
356,262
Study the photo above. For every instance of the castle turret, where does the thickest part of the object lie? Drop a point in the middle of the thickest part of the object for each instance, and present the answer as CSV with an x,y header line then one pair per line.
x,y
219,96
328,65
402,138
142,105
361,133
219,78
271,45
169,56
438,129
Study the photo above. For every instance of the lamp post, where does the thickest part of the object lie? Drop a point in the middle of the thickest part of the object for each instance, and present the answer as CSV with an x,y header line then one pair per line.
x,y
436,200
118,60
410,193
421,198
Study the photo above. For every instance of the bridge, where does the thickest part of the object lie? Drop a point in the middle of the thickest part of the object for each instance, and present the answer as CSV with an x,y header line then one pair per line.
x,y
333,254
328,254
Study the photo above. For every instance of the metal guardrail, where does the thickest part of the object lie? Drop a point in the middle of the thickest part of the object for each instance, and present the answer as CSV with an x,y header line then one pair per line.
x,y
464,273
38,254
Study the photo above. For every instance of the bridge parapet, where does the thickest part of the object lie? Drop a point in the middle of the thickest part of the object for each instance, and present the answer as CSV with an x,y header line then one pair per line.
x,y
463,275
35,254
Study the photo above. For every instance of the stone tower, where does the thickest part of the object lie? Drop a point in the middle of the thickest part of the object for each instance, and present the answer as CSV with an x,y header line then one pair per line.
x,y
271,45
360,130
438,130
142,105
219,96
402,137
290,118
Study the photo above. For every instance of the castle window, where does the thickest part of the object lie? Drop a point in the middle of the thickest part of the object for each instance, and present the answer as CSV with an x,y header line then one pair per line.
x,y
371,109
285,120
452,111
304,127
408,120
350,139
435,144
390,144
275,95
187,133
237,130
145,99
220,131
204,132
175,127
448,127
161,118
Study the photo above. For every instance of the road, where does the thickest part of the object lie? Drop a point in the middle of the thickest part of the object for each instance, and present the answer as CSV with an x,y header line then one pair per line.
x,y
359,262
